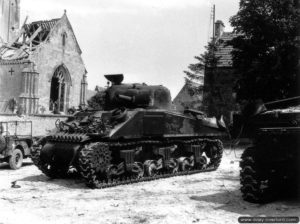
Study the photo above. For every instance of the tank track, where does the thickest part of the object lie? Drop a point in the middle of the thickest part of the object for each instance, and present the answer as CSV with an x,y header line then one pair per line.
x,y
256,186
88,172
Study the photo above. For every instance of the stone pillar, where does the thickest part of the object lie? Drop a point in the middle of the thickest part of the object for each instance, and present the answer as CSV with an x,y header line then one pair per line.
x,y
83,91
36,92
59,93
10,19
28,97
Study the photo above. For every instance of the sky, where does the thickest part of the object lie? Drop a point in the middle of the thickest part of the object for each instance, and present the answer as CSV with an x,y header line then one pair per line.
x,y
150,41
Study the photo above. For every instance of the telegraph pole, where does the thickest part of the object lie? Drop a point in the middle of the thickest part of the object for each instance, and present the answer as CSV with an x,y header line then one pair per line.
x,y
214,13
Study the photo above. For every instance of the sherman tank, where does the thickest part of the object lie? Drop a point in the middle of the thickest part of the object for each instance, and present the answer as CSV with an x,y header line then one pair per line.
x,y
270,166
136,137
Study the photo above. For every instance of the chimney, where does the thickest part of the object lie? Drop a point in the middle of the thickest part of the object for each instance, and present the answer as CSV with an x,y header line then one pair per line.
x,y
219,28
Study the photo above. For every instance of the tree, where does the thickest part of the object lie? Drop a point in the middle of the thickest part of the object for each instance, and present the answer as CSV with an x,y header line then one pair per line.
x,y
197,70
266,54
214,92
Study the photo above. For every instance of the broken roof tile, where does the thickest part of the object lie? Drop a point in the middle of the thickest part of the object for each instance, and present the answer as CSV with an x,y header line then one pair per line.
x,y
44,24
22,50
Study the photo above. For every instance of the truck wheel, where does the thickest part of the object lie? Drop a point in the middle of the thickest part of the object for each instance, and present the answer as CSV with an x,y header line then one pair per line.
x,y
16,159
256,184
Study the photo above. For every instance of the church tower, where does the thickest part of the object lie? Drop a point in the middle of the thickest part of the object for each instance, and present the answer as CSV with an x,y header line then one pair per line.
x,y
9,19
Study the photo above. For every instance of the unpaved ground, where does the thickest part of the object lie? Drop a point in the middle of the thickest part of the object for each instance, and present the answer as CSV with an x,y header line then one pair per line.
x,y
211,197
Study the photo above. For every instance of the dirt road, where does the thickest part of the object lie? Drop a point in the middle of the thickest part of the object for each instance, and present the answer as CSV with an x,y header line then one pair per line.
x,y
211,197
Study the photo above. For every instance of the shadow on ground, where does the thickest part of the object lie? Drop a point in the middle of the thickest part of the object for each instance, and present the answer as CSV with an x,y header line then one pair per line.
x,y
73,182
232,201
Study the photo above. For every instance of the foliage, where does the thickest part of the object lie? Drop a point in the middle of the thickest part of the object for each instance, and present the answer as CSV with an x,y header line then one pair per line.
x,y
216,97
97,102
266,55
196,71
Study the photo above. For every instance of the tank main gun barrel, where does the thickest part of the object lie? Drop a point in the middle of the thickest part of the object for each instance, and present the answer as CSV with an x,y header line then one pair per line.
x,y
127,98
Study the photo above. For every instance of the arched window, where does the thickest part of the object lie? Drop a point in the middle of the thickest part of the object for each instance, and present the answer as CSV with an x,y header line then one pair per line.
x,y
60,89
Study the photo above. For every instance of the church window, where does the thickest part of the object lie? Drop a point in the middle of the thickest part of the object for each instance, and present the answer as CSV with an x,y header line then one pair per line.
x,y
60,88
64,38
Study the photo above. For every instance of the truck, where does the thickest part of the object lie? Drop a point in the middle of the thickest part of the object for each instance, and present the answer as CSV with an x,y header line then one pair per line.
x,y
15,142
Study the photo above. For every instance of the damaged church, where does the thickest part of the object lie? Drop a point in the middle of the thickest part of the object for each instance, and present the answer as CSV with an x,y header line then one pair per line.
x,y
41,68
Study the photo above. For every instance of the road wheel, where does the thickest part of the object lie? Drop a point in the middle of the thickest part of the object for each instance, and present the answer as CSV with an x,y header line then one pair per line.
x,y
151,168
16,159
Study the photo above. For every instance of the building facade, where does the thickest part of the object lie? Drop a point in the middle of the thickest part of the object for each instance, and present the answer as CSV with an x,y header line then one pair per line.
x,y
42,71
218,94
187,99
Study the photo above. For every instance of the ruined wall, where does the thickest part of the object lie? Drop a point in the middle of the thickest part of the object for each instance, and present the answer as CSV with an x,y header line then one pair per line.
x,y
10,84
51,54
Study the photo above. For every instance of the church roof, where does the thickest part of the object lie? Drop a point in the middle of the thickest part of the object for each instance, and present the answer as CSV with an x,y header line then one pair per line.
x,y
38,31
33,34
44,24
13,53
224,49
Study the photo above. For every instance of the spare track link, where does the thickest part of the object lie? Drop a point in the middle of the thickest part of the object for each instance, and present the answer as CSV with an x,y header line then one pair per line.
x,y
91,180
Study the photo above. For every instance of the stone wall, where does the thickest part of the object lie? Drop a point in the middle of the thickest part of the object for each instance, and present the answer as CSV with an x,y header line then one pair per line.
x,y
51,54
186,99
10,83
46,58
41,124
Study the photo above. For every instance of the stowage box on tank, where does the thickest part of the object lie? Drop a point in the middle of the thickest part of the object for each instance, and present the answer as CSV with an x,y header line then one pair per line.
x,y
136,138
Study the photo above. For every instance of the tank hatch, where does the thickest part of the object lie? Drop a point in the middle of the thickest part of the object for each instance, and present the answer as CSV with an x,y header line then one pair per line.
x,y
115,79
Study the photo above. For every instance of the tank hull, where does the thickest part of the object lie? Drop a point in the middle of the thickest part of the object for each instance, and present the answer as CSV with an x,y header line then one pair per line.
x,y
136,137
140,145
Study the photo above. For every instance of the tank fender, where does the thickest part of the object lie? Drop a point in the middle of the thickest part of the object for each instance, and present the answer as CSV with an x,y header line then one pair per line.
x,y
59,153
23,145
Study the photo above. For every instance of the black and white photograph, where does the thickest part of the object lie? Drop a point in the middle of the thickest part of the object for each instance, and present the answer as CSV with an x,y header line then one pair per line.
x,y
149,111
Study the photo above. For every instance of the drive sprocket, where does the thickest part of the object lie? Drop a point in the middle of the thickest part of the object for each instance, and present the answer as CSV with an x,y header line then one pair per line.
x,y
94,160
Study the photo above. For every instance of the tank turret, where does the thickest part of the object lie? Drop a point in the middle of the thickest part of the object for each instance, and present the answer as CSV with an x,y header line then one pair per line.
x,y
136,95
